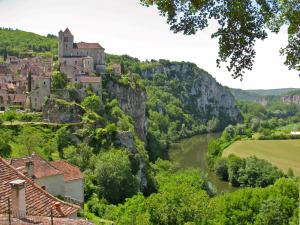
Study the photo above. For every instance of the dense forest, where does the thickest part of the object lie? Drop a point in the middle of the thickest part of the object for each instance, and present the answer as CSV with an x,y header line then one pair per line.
x,y
139,185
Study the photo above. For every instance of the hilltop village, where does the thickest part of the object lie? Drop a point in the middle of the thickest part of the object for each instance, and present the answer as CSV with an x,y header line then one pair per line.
x,y
29,185
26,82
87,135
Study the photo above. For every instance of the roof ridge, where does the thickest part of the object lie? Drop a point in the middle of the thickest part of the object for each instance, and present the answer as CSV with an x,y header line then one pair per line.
x,y
48,163
36,186
62,160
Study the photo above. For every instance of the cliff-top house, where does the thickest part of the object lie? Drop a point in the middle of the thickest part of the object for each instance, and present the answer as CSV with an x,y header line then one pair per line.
x,y
88,56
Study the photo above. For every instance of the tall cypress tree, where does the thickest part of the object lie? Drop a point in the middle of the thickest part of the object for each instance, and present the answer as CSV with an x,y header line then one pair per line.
x,y
5,55
29,81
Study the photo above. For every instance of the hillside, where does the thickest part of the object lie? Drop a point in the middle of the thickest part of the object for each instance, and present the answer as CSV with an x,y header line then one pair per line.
x,y
23,44
268,92
266,96
255,95
119,136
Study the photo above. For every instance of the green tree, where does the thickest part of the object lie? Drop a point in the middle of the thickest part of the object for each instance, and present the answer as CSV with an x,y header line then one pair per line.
x,y
272,213
58,80
30,138
62,138
114,176
6,136
258,173
5,54
241,24
81,156
221,168
234,165
10,116
92,103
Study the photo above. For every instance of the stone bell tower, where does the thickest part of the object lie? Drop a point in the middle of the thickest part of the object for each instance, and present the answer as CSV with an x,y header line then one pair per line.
x,y
66,41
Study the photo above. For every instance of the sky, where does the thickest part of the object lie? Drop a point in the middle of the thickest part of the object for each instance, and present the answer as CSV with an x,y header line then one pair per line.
x,y
126,27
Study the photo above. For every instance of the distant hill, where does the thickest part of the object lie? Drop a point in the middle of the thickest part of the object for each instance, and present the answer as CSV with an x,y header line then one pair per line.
x,y
255,95
276,92
23,44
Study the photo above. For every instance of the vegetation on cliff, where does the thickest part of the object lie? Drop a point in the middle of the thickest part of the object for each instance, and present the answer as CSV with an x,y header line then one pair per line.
x,y
124,179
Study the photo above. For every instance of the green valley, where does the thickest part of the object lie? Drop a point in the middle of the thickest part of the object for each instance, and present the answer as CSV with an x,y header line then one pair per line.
x,y
117,122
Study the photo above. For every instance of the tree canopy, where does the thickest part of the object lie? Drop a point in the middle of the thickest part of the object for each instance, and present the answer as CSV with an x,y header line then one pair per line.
x,y
241,23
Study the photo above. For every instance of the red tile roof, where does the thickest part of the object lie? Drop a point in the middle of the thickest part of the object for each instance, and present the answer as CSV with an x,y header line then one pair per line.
x,y
19,98
81,45
38,201
90,79
42,168
43,221
70,172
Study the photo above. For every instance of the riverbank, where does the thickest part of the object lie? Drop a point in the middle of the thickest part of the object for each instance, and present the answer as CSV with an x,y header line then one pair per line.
x,y
191,153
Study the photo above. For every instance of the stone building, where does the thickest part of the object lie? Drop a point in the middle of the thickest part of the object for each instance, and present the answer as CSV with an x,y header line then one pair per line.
x,y
40,90
88,56
95,83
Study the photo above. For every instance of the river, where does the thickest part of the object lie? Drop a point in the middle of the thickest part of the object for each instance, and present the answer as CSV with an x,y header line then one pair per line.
x,y
191,152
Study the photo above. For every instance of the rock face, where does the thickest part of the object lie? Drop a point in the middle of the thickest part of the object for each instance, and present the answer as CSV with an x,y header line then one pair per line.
x,y
133,103
291,99
126,140
201,94
60,111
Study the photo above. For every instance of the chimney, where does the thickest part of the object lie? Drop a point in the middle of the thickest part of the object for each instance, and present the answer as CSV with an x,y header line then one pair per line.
x,y
29,166
18,205
58,208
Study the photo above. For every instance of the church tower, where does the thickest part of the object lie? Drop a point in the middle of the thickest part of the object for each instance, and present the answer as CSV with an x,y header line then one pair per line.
x,y
66,41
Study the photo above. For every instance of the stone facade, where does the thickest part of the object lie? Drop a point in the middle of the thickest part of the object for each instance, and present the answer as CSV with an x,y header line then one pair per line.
x,y
40,90
55,184
74,189
14,82
89,56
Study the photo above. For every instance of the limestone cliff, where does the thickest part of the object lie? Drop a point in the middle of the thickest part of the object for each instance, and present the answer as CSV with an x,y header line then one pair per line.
x,y
202,96
60,111
133,103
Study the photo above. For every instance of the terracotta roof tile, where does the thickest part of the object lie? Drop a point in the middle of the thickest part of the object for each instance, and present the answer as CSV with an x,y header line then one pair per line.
x,y
90,79
70,172
38,201
81,45
43,221
19,98
42,168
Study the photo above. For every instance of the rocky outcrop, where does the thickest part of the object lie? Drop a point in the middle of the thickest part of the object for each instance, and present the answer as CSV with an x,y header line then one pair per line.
x,y
60,111
126,139
291,99
133,103
202,96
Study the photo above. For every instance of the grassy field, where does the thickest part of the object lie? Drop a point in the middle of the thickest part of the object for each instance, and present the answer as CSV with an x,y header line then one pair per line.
x,y
290,127
283,153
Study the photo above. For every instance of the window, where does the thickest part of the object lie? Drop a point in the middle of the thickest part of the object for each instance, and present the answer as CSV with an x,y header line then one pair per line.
x,y
75,62
44,187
